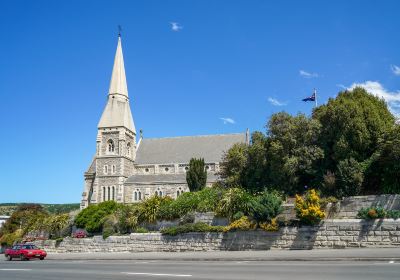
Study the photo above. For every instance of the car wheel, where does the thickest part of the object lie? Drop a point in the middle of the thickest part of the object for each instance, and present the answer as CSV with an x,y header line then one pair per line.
x,y
8,257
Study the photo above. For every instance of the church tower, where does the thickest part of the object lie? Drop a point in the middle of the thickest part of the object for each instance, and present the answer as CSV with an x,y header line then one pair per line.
x,y
116,142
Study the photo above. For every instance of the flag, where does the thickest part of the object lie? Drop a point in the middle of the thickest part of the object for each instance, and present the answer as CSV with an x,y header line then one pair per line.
x,y
310,98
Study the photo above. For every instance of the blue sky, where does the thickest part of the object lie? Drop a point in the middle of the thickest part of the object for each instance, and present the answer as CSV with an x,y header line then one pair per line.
x,y
224,67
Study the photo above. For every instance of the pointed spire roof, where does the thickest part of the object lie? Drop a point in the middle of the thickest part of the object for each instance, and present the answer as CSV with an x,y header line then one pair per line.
x,y
118,112
118,79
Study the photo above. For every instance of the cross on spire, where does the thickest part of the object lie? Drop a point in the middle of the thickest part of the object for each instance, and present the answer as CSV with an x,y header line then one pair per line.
x,y
119,30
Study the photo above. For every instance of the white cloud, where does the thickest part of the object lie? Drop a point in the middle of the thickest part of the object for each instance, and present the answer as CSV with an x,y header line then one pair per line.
x,y
341,86
175,26
308,75
228,120
276,102
375,88
395,69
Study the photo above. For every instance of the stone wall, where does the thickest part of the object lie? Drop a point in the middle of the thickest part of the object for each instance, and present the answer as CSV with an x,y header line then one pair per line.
x,y
349,206
330,234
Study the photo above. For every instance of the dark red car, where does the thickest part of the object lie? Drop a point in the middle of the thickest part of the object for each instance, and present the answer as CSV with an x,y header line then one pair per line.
x,y
79,234
25,252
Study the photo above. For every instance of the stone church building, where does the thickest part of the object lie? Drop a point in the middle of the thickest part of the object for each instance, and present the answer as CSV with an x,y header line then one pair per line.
x,y
128,169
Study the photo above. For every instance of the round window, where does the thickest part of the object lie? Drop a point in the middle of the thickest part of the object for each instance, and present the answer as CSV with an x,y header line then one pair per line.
x,y
166,169
186,168
207,167
147,170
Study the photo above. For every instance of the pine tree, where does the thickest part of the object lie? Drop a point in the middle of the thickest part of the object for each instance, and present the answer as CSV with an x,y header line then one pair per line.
x,y
196,176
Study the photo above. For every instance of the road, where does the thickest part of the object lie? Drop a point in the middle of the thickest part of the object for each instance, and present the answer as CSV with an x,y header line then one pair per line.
x,y
172,269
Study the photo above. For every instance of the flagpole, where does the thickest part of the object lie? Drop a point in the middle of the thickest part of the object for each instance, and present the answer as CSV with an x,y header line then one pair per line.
x,y
315,94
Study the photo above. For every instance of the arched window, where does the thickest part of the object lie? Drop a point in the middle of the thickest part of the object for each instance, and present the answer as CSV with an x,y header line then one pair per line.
x,y
114,168
128,149
110,146
113,193
179,192
104,194
108,193
159,192
137,195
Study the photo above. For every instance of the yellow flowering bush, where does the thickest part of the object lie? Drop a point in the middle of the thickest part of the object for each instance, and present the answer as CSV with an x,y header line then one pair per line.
x,y
272,226
241,224
308,208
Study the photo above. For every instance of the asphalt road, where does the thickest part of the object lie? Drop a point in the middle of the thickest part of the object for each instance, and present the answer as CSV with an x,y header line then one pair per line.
x,y
159,269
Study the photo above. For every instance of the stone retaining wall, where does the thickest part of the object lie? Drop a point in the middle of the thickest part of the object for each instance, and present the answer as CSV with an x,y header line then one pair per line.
x,y
330,234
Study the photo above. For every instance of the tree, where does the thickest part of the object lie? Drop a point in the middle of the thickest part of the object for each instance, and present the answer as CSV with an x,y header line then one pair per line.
x,y
232,165
352,125
292,151
196,176
383,175
350,176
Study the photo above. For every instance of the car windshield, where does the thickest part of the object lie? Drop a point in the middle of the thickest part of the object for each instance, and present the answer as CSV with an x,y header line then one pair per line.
x,y
29,247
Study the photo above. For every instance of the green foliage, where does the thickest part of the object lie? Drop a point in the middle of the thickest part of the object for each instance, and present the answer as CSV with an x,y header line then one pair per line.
x,y
141,230
201,201
350,177
197,227
235,200
8,208
150,207
266,206
293,152
349,146
91,218
352,125
109,225
384,170
371,213
393,214
196,176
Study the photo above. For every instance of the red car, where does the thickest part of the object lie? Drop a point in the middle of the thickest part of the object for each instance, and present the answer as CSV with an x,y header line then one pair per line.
x,y
79,234
25,252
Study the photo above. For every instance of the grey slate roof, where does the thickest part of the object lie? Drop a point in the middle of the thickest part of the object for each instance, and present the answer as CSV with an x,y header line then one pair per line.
x,y
182,149
164,178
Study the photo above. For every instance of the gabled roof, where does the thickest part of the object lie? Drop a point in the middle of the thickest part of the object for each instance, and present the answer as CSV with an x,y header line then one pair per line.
x,y
182,149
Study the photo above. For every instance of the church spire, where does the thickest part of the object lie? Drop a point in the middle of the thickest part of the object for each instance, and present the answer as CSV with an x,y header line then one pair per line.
x,y
117,112
118,79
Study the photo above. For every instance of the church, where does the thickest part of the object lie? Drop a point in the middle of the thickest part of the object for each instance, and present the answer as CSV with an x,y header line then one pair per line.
x,y
129,169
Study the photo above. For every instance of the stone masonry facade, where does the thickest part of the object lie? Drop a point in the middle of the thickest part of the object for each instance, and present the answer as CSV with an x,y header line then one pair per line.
x,y
331,234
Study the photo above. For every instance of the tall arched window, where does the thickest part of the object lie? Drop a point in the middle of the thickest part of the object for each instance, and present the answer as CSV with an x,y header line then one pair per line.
x,y
108,193
137,195
113,193
159,192
104,194
110,146
179,192
128,149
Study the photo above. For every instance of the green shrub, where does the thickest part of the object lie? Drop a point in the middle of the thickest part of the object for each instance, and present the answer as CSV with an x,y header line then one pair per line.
x,y
266,206
202,201
185,203
197,227
393,214
196,176
110,225
233,201
149,208
141,230
372,213
91,218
